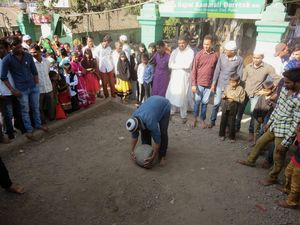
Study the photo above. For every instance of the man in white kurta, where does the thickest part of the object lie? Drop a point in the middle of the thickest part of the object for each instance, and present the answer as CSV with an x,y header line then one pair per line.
x,y
179,90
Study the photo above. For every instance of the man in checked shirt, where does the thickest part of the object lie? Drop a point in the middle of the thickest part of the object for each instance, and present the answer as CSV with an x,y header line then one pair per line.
x,y
281,126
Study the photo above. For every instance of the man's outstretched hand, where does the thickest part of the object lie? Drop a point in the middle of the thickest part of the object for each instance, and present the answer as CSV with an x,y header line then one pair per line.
x,y
148,161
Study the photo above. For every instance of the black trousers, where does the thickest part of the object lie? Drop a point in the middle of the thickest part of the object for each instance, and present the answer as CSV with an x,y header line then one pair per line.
x,y
163,126
229,111
5,181
47,108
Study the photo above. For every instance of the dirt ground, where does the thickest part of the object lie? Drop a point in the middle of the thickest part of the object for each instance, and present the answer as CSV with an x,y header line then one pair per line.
x,y
81,174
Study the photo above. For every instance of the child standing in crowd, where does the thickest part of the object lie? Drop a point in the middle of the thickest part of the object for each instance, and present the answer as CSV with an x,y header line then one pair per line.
x,y
77,47
265,104
64,58
63,93
140,77
72,81
292,178
91,74
123,86
83,97
232,97
142,51
151,51
145,76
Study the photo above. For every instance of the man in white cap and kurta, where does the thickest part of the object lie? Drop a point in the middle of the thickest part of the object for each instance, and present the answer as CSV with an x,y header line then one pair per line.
x,y
126,48
254,75
229,63
27,41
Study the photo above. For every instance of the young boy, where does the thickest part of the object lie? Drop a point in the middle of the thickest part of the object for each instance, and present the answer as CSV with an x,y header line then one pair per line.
x,y
233,95
145,75
72,81
264,106
292,178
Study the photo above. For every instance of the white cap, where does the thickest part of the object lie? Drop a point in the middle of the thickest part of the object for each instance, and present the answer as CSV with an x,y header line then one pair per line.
x,y
231,46
26,37
132,124
258,52
123,37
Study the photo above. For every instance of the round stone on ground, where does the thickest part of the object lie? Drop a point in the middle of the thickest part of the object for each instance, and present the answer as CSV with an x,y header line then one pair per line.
x,y
142,152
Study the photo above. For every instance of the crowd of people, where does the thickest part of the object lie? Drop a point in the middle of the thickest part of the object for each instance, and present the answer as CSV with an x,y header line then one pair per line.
x,y
48,80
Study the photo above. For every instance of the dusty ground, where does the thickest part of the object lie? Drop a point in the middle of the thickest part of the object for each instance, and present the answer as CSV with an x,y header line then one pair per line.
x,y
81,174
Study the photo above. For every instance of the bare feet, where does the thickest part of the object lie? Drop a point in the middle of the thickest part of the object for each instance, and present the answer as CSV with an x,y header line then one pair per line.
x,y
281,189
245,163
283,204
251,137
183,120
266,165
5,141
16,188
267,182
163,161
203,124
210,125
30,136
194,123
222,138
44,128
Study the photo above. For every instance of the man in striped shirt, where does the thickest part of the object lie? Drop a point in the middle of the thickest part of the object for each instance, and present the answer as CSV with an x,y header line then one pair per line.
x,y
281,126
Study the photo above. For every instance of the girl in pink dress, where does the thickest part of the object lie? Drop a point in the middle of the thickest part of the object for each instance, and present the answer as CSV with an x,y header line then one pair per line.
x,y
83,96
91,74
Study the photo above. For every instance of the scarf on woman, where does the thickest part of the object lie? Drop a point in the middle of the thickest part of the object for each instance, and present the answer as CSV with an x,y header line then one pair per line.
x,y
123,67
88,63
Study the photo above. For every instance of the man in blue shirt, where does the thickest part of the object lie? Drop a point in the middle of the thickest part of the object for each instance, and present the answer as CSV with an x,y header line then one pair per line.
x,y
25,76
152,120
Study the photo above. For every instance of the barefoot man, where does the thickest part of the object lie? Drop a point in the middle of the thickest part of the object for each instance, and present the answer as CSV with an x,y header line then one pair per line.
x,y
152,120
6,183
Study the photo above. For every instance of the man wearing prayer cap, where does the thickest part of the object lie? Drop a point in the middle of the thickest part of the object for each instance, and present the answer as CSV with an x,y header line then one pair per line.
x,y
228,63
254,75
151,119
126,48
27,41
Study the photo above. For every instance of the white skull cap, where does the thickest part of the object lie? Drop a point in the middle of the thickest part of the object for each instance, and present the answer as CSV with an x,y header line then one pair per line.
x,y
132,124
123,37
231,46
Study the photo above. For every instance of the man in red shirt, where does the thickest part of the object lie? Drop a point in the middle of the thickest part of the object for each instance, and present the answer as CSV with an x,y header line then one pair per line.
x,y
202,74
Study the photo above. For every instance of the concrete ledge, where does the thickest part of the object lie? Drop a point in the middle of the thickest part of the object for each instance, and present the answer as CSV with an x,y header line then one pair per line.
x,y
21,140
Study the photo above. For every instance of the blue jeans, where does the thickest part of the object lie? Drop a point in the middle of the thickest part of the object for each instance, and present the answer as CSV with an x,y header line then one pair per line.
x,y
216,106
30,100
253,101
201,96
